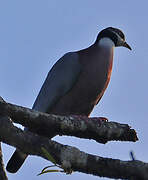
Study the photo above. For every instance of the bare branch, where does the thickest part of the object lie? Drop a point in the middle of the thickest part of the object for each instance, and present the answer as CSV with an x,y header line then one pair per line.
x,y
3,175
71,157
47,124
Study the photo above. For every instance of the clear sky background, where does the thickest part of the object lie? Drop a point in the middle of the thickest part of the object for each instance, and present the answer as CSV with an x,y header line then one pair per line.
x,y
34,34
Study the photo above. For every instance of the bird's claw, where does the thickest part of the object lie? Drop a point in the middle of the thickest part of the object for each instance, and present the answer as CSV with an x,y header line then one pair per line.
x,y
100,120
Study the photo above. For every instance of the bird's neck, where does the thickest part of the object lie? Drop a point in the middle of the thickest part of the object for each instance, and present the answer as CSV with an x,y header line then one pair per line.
x,y
106,43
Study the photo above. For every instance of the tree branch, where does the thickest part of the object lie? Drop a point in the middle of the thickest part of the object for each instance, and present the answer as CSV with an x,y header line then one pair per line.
x,y
3,175
47,124
71,157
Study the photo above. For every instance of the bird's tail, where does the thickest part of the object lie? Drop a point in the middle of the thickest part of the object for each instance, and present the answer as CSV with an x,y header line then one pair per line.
x,y
16,161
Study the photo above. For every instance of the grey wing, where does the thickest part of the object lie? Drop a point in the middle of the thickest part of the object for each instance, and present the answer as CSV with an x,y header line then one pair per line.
x,y
59,81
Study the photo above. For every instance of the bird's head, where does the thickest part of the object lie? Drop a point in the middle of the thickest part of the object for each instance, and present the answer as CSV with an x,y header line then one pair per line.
x,y
116,35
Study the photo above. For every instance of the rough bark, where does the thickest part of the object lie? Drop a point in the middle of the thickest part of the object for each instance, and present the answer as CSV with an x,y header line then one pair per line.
x,y
43,124
70,157
3,175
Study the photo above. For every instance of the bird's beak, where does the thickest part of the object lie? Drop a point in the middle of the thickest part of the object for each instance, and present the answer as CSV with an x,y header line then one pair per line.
x,y
126,45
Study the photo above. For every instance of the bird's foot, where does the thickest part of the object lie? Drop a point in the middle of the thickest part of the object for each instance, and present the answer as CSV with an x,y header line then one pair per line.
x,y
102,119
98,119
80,117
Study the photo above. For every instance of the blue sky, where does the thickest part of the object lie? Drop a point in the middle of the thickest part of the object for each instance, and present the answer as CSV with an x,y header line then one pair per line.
x,y
34,34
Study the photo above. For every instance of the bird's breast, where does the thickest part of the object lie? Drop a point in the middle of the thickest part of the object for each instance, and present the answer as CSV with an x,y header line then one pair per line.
x,y
90,85
96,74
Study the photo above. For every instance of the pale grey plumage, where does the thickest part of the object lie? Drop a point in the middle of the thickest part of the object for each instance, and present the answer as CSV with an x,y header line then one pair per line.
x,y
59,81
